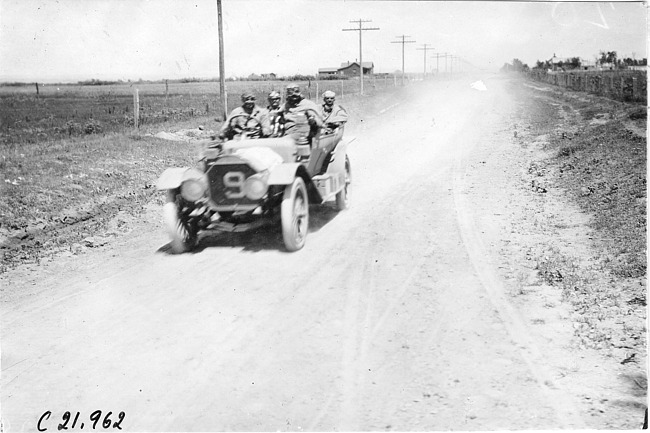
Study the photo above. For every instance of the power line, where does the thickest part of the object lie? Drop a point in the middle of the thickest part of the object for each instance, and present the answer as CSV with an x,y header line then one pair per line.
x,y
361,29
403,41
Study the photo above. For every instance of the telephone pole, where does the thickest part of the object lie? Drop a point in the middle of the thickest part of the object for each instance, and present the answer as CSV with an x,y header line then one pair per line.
x,y
403,41
222,69
438,55
361,29
445,56
425,48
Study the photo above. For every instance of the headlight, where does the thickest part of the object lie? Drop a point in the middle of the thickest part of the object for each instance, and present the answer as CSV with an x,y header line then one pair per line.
x,y
193,189
255,187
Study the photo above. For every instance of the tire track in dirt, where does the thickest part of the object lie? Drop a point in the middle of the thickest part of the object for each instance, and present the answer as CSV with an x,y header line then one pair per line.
x,y
366,314
562,404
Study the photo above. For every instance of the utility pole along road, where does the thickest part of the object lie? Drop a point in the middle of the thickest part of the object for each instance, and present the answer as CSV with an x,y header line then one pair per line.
x,y
393,316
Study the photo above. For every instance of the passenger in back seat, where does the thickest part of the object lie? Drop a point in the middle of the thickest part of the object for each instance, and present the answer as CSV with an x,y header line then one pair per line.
x,y
333,114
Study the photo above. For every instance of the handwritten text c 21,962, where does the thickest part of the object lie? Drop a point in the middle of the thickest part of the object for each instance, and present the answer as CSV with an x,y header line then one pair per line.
x,y
70,421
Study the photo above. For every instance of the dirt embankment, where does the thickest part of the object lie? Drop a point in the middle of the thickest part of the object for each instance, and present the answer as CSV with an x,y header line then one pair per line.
x,y
580,230
596,158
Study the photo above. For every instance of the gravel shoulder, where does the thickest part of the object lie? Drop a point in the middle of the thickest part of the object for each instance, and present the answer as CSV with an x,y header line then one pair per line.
x,y
589,321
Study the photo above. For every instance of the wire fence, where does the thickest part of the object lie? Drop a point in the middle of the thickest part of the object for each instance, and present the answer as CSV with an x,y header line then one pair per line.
x,y
621,85
34,113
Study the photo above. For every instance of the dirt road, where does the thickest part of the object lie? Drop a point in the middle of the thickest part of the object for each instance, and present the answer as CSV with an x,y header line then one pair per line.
x,y
397,315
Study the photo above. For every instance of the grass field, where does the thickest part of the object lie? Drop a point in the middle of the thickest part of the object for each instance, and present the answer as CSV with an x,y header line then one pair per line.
x,y
61,190
60,111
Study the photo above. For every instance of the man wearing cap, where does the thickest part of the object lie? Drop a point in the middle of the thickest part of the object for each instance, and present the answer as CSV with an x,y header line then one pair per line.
x,y
249,118
333,114
301,116
274,109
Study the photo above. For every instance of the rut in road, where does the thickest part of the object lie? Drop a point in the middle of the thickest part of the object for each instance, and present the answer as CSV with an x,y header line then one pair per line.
x,y
370,304
484,268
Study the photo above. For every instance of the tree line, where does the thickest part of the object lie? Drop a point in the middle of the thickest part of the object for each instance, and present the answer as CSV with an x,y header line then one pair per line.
x,y
606,59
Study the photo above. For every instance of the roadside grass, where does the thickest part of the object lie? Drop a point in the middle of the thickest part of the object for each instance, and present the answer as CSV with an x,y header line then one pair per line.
x,y
604,170
600,164
60,194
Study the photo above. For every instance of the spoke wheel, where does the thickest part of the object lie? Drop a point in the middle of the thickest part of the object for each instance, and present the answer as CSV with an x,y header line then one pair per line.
x,y
295,215
182,233
342,197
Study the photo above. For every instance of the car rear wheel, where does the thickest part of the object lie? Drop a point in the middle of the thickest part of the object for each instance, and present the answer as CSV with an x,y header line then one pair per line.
x,y
294,215
182,233
342,197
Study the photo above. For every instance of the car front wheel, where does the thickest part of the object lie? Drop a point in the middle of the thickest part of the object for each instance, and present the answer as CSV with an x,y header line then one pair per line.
x,y
183,233
295,215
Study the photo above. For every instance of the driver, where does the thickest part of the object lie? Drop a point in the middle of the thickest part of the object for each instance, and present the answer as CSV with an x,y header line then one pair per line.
x,y
296,110
333,114
249,118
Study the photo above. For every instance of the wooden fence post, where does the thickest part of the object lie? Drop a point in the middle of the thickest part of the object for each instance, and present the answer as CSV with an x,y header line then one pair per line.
x,y
136,108
341,88
635,88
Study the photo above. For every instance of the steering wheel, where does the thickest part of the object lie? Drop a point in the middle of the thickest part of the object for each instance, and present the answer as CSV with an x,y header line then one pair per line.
x,y
252,126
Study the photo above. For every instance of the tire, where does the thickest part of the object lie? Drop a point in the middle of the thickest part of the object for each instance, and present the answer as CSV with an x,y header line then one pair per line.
x,y
183,234
294,215
342,197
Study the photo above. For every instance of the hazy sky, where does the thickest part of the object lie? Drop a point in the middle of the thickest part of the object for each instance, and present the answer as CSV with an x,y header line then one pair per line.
x,y
61,40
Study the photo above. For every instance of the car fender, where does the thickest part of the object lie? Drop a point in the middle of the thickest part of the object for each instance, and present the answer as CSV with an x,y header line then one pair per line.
x,y
172,178
337,161
284,174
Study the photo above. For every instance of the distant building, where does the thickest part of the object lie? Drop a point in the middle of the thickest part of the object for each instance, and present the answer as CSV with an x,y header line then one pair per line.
x,y
347,69
352,69
328,71
587,65
556,62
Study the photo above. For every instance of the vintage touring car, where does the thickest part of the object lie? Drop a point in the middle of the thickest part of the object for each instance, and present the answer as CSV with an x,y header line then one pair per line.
x,y
246,182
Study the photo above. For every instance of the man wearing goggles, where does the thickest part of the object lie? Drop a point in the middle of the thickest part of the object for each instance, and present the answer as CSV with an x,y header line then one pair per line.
x,y
301,116
275,117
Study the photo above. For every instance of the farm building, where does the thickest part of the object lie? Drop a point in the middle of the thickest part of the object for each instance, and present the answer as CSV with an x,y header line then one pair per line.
x,y
352,69
328,71
348,69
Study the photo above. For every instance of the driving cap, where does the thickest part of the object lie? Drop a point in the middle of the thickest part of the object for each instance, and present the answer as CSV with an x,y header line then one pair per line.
x,y
246,96
329,94
293,88
274,95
